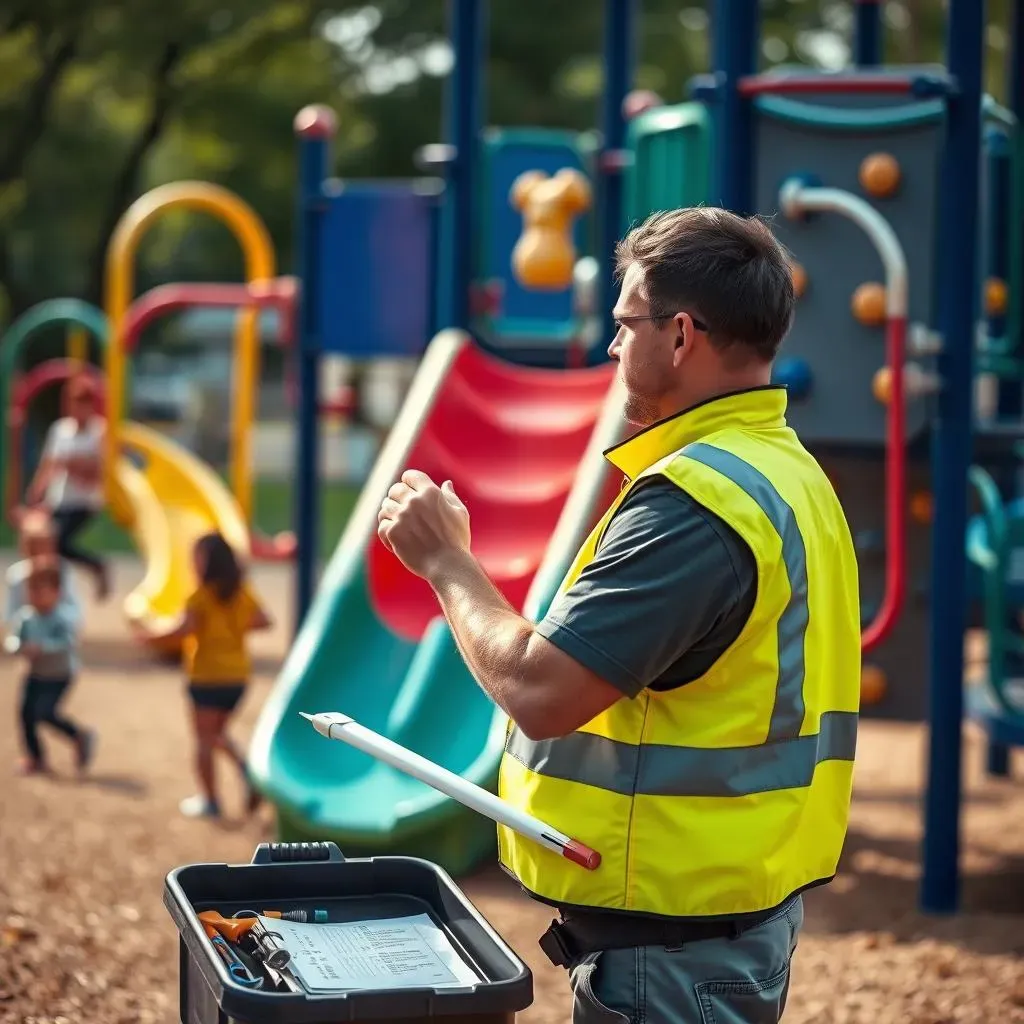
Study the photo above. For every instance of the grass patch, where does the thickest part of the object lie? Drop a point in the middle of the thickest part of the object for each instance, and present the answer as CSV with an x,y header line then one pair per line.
x,y
273,502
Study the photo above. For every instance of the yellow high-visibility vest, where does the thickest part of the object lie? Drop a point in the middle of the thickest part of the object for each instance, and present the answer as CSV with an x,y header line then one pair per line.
x,y
730,793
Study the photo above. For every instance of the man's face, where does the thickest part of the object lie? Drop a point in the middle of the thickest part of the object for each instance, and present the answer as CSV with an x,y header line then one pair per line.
x,y
646,353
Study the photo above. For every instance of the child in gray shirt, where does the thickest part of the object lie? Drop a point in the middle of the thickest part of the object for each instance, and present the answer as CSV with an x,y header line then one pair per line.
x,y
43,632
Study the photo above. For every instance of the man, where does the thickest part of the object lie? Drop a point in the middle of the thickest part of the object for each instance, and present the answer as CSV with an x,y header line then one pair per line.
x,y
688,706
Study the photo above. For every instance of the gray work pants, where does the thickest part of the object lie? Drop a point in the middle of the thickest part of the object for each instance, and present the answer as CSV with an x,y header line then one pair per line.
x,y
716,981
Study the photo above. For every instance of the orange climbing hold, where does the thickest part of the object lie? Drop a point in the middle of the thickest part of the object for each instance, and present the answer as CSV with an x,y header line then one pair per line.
x,y
881,385
868,304
997,297
799,276
922,506
545,256
873,684
879,175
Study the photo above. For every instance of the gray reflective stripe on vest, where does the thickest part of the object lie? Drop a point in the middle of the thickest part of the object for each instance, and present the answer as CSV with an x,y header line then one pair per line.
x,y
788,712
659,770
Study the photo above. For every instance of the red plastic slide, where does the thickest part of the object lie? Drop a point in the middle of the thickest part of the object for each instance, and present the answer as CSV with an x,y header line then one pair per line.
x,y
511,440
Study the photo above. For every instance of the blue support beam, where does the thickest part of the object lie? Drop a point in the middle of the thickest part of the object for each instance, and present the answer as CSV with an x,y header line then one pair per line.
x,y
957,263
619,62
464,102
735,29
998,166
315,126
1015,221
867,39
1015,84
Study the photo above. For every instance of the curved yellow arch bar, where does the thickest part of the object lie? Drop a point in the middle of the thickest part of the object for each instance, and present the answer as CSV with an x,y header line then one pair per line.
x,y
258,251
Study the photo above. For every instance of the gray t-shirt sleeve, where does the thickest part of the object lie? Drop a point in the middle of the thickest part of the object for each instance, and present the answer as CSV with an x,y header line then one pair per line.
x,y
669,578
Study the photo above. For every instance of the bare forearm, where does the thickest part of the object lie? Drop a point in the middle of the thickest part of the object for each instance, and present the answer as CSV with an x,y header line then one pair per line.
x,y
39,482
494,639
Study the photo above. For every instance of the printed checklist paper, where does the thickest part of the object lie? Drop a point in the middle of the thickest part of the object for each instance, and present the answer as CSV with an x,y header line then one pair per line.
x,y
393,953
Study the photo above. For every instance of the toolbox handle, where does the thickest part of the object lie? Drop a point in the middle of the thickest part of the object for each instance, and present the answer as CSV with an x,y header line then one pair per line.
x,y
296,853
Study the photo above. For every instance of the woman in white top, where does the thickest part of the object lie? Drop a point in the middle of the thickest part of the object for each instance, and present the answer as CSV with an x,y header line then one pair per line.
x,y
69,480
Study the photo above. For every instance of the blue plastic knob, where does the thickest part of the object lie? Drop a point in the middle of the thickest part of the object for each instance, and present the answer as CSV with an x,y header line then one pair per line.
x,y
795,374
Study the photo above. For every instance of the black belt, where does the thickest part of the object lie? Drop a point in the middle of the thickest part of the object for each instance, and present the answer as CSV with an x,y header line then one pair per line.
x,y
568,940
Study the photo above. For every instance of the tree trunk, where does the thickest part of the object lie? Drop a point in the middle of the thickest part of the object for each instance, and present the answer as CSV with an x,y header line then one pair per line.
x,y
22,141
33,120
126,182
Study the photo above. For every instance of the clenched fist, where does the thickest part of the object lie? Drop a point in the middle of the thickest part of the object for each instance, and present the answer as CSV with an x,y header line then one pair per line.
x,y
423,524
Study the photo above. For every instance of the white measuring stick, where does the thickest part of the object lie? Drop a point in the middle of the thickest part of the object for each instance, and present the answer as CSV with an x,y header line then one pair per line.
x,y
336,726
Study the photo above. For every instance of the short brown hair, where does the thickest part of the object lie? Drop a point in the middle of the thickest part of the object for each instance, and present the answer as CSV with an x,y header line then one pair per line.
x,y
729,271
45,572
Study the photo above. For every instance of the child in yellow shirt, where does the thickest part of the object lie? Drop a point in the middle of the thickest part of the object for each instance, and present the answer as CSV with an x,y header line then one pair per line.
x,y
217,619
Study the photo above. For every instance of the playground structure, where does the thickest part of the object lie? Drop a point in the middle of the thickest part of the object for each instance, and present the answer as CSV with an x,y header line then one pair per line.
x,y
868,176
160,493
885,188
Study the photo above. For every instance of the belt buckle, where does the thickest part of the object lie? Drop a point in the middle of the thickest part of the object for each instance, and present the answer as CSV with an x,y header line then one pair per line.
x,y
555,947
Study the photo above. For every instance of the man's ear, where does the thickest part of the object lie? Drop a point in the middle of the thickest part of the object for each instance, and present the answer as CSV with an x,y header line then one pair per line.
x,y
683,342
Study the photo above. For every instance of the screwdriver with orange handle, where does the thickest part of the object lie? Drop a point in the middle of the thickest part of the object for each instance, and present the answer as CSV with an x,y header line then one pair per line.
x,y
233,928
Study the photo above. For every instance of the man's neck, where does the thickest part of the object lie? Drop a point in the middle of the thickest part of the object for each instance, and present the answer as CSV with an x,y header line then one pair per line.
x,y
758,377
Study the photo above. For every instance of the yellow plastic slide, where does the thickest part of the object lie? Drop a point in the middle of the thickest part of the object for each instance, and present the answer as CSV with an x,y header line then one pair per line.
x,y
167,498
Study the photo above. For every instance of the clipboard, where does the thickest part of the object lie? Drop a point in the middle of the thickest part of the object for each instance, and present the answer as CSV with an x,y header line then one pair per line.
x,y
380,953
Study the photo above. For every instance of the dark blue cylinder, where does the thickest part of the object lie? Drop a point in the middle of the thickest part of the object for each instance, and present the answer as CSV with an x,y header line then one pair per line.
x,y
314,128
999,166
1015,92
867,40
464,101
735,30
956,288
619,61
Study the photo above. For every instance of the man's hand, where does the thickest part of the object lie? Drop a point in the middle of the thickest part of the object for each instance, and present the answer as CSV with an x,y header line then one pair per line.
x,y
423,524
30,651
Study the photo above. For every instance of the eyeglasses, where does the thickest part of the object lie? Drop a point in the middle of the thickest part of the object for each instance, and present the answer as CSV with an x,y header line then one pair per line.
x,y
698,324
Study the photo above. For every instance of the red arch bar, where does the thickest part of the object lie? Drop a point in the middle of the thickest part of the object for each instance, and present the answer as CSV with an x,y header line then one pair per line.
x,y
280,293
758,85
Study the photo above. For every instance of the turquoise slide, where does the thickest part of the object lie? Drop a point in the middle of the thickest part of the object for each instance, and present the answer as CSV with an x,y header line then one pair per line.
x,y
523,448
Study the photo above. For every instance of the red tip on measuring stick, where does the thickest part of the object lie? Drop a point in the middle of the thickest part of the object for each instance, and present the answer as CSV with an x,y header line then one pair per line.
x,y
575,851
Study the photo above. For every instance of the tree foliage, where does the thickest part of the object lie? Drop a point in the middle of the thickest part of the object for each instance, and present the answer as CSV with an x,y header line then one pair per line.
x,y
101,100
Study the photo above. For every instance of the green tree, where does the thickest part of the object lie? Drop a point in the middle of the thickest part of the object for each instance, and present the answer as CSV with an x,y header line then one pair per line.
x,y
101,100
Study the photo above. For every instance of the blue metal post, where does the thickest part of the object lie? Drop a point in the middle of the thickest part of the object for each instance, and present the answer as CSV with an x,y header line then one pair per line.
x,y
1015,92
868,33
735,31
465,97
998,165
951,452
619,61
315,127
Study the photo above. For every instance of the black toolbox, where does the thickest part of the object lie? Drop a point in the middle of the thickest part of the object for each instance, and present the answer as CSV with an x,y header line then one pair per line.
x,y
301,876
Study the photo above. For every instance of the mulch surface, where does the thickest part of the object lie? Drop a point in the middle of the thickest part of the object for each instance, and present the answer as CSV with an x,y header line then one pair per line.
x,y
84,936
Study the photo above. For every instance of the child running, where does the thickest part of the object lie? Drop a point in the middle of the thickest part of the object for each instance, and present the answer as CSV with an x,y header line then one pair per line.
x,y
37,538
43,633
217,619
